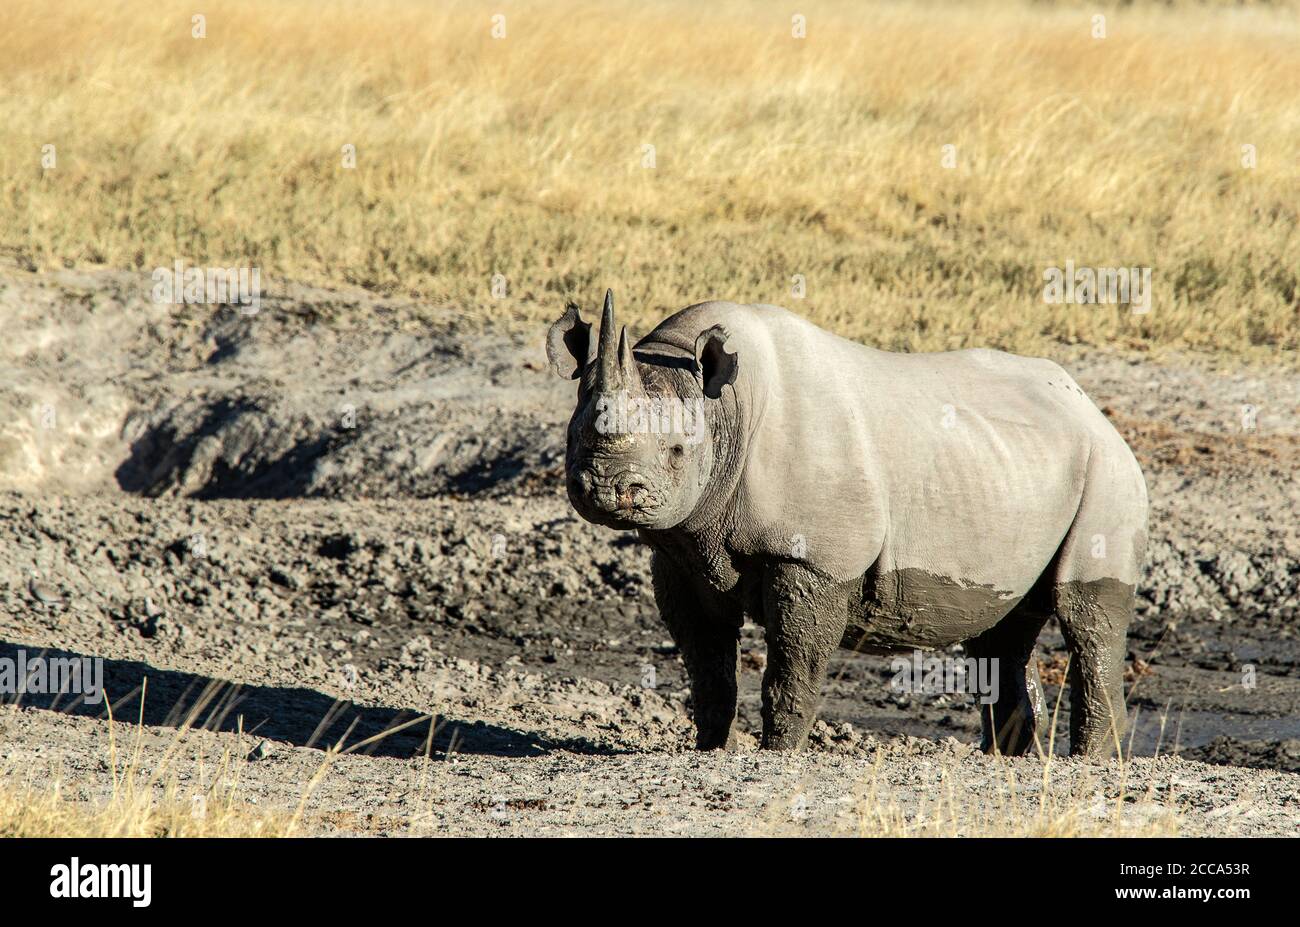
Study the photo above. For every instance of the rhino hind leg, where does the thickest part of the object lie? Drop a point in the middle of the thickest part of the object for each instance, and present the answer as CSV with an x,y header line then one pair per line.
x,y
1013,722
1094,619
1094,579
706,628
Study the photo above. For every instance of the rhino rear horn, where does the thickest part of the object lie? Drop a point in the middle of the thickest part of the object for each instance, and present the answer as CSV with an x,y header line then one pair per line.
x,y
572,336
628,373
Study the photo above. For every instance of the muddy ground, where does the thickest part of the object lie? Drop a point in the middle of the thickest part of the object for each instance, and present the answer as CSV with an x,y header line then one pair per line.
x,y
344,514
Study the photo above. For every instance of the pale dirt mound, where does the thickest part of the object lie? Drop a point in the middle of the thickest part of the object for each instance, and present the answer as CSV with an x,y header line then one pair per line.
x,y
317,395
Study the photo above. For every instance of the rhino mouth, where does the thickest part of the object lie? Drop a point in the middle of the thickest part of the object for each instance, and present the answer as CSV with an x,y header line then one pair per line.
x,y
621,502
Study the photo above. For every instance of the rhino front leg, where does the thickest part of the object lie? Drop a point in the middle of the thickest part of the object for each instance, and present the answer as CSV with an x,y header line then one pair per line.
x,y
804,616
706,628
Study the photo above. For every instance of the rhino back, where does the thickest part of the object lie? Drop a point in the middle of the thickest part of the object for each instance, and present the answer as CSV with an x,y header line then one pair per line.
x,y
966,466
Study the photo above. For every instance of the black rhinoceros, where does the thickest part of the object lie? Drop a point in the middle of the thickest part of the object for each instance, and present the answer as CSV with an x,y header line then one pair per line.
x,y
842,495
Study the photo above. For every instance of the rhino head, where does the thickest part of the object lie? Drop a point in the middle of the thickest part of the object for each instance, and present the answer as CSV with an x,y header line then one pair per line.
x,y
647,432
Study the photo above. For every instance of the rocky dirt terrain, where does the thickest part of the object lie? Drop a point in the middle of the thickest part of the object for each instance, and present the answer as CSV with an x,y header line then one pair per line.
x,y
343,515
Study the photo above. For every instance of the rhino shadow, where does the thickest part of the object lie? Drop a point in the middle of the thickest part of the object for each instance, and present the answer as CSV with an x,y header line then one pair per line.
x,y
299,716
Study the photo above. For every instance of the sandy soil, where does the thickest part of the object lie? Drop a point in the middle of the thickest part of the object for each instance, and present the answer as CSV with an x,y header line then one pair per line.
x,y
336,517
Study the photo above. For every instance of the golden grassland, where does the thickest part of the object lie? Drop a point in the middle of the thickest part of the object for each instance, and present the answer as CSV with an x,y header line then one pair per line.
x,y
523,156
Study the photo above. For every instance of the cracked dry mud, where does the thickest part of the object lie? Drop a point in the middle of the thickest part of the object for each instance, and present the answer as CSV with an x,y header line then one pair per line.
x,y
344,514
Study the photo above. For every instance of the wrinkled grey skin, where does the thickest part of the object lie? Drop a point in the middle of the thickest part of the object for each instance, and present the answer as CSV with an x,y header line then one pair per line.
x,y
845,496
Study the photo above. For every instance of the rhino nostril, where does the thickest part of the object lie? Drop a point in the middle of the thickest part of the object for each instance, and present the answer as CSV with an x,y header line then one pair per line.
x,y
631,492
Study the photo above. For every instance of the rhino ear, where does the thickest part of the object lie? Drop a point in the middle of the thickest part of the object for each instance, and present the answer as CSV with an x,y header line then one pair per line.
x,y
714,367
570,336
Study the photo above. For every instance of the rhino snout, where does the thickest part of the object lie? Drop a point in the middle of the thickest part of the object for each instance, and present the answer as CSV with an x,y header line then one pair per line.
x,y
625,491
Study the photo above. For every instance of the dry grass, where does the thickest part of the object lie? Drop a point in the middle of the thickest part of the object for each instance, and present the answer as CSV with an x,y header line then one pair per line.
x,y
143,797
1000,798
139,803
30,809
1005,797
522,156
1047,810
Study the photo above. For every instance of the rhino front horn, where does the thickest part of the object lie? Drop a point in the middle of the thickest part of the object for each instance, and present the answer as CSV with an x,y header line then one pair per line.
x,y
616,369
607,377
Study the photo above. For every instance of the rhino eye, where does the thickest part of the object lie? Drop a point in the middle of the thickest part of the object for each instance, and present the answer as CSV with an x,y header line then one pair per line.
x,y
677,455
